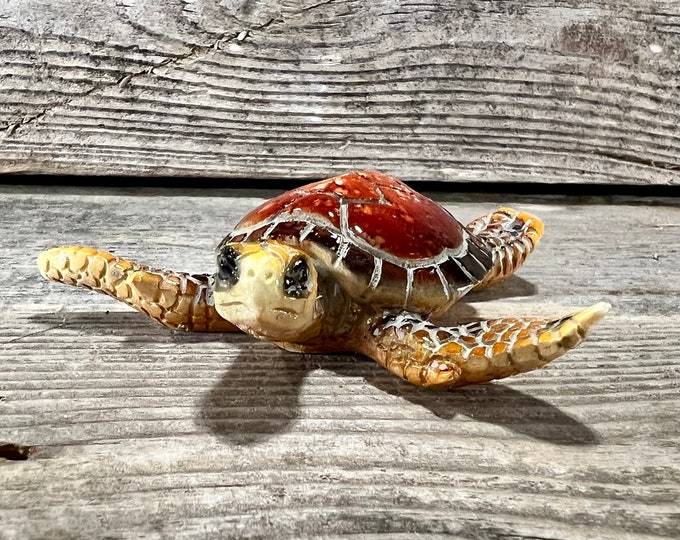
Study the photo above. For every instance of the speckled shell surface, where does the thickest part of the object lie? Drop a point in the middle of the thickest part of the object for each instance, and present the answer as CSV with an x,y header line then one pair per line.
x,y
382,241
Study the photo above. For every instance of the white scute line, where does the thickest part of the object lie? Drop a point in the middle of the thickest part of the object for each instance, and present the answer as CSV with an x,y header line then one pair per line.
x,y
377,273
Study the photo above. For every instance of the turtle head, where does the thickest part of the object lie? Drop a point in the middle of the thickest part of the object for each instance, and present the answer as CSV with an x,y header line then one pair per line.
x,y
267,289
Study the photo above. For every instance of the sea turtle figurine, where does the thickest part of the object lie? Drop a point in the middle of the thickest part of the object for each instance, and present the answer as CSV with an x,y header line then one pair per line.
x,y
359,262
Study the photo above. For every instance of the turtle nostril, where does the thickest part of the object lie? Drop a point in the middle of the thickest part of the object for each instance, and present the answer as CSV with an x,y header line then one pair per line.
x,y
251,273
268,276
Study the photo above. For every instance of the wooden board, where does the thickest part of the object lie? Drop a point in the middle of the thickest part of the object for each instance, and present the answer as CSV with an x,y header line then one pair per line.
x,y
484,91
135,431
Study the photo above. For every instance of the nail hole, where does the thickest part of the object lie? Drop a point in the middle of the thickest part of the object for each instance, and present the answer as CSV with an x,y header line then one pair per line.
x,y
15,452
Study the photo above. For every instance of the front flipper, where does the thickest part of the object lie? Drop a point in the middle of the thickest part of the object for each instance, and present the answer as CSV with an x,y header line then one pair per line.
x,y
445,357
174,299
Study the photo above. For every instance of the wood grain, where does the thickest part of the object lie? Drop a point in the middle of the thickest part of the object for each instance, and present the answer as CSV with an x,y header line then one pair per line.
x,y
141,432
483,91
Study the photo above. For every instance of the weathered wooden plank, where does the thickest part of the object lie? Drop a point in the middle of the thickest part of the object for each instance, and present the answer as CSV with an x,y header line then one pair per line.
x,y
138,431
472,91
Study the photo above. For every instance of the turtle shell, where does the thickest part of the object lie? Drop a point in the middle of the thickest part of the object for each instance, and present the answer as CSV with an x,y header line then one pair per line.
x,y
383,242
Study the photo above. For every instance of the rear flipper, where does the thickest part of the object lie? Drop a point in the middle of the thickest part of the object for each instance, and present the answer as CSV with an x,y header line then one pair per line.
x,y
445,357
510,236
174,299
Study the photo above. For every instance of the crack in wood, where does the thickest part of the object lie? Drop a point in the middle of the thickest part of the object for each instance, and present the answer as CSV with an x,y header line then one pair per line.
x,y
638,160
314,6
196,51
30,334
11,128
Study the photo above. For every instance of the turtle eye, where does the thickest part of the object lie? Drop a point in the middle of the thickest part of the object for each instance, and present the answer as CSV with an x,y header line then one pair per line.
x,y
227,266
296,279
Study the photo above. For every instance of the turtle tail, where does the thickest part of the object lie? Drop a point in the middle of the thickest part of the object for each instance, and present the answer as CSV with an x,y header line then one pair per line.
x,y
174,299
510,236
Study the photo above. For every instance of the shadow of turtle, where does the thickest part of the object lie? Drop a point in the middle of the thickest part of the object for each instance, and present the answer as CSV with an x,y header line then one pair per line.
x,y
462,312
513,286
251,413
498,404
256,398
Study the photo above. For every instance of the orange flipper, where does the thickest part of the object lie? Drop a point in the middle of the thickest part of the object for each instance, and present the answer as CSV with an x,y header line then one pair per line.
x,y
174,299
510,236
445,357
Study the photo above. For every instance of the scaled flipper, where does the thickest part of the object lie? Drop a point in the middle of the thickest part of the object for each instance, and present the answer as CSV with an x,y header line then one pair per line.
x,y
510,236
445,357
174,299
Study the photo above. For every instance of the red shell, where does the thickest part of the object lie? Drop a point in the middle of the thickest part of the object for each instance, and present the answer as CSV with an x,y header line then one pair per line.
x,y
381,210
401,248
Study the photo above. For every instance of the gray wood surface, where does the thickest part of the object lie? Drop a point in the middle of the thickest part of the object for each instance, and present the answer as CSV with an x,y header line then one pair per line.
x,y
135,431
484,91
